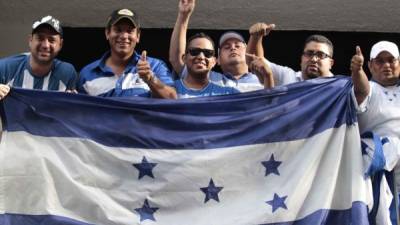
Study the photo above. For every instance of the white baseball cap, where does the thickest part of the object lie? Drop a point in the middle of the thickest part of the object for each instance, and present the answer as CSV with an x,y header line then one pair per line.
x,y
384,46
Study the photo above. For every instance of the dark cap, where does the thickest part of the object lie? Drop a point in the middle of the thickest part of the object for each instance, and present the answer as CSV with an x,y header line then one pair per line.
x,y
48,21
119,14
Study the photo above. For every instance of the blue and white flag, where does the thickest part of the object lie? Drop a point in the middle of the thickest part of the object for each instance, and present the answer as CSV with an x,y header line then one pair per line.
x,y
285,156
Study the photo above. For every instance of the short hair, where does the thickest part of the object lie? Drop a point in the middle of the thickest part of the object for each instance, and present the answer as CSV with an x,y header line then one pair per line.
x,y
320,39
199,35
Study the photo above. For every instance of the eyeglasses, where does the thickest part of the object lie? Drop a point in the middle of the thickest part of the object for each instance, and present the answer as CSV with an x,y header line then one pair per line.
x,y
380,61
318,54
208,53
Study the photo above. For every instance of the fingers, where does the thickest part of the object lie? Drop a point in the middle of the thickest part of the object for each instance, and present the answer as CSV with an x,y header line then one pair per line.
x,y
143,57
358,51
4,90
251,56
261,29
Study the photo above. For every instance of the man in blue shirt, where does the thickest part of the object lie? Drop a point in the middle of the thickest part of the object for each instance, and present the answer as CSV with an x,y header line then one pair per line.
x,y
39,69
199,59
231,56
122,72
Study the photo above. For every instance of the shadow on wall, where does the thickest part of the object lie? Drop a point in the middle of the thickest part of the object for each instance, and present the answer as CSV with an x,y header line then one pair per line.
x,y
84,45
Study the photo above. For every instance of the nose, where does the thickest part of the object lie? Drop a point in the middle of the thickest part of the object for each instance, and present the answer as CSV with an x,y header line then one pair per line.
x,y
45,43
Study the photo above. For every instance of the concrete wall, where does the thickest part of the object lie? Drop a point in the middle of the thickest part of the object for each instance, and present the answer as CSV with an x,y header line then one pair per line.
x,y
322,15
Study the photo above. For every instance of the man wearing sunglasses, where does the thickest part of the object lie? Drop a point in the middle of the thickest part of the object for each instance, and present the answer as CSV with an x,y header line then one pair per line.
x,y
231,55
378,100
199,59
316,60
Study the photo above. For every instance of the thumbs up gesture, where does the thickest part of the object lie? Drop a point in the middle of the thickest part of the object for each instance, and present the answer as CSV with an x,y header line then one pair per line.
x,y
357,61
143,68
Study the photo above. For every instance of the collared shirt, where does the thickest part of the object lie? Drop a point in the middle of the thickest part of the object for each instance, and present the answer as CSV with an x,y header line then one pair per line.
x,y
246,82
99,80
211,89
17,72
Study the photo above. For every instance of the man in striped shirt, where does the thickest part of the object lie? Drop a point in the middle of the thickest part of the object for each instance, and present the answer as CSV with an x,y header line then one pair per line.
x,y
39,69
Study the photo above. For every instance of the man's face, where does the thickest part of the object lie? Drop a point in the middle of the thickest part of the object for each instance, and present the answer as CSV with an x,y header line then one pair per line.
x,y
232,52
385,69
199,57
123,37
44,45
316,60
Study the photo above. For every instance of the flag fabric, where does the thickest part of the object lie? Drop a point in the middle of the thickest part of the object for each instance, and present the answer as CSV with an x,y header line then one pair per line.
x,y
290,155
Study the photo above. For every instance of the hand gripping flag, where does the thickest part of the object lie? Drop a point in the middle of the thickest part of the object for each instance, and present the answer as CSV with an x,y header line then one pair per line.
x,y
290,155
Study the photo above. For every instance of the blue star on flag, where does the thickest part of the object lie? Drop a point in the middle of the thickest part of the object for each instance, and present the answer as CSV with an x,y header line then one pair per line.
x,y
271,166
145,168
146,212
211,191
277,202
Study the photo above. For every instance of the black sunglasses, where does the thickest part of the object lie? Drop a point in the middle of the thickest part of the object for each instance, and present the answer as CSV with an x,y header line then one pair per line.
x,y
208,53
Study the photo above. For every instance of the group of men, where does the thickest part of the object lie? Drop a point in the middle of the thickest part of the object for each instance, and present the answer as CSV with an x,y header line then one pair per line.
x,y
123,72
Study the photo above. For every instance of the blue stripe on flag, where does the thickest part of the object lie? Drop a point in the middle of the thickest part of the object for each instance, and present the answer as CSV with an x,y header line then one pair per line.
x,y
291,112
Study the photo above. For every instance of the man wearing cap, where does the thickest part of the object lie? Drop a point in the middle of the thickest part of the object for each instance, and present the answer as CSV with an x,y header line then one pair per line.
x,y
316,60
39,69
231,56
122,72
378,100
199,59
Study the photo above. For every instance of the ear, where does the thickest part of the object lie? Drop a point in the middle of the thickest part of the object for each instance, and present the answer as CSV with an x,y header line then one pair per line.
x,y
213,61
61,42
370,65
332,62
106,33
30,38
138,35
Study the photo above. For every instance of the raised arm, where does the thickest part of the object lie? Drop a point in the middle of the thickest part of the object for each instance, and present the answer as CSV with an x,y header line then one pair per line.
x,y
260,67
257,32
178,38
360,79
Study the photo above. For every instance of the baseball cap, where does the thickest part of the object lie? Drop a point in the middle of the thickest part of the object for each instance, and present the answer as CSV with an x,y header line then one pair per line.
x,y
229,35
384,46
49,21
119,14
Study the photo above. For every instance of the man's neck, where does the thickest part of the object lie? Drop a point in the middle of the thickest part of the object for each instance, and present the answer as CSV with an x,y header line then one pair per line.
x,y
40,69
118,63
196,82
236,71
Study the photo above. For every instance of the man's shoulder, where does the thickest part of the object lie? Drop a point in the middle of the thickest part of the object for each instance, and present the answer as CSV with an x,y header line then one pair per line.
x,y
14,59
90,67
60,65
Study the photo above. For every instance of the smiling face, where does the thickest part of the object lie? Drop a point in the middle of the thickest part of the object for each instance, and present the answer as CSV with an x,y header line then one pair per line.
x,y
197,61
44,44
312,65
385,69
123,37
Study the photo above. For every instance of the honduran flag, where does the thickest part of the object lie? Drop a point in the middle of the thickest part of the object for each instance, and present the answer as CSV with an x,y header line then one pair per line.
x,y
290,155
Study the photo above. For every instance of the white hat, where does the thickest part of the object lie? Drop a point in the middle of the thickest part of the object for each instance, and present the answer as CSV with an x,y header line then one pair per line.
x,y
384,46
229,35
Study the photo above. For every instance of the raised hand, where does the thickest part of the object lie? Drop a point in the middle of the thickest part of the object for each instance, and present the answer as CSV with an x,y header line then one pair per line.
x,y
186,6
143,68
261,29
260,67
357,61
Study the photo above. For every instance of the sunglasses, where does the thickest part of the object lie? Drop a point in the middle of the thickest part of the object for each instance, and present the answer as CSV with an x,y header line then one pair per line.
x,y
208,53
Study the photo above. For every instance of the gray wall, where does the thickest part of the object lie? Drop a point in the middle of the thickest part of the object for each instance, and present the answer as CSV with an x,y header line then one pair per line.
x,y
323,15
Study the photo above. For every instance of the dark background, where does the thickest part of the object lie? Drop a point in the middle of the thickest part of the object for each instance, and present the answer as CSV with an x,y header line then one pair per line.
x,y
84,45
